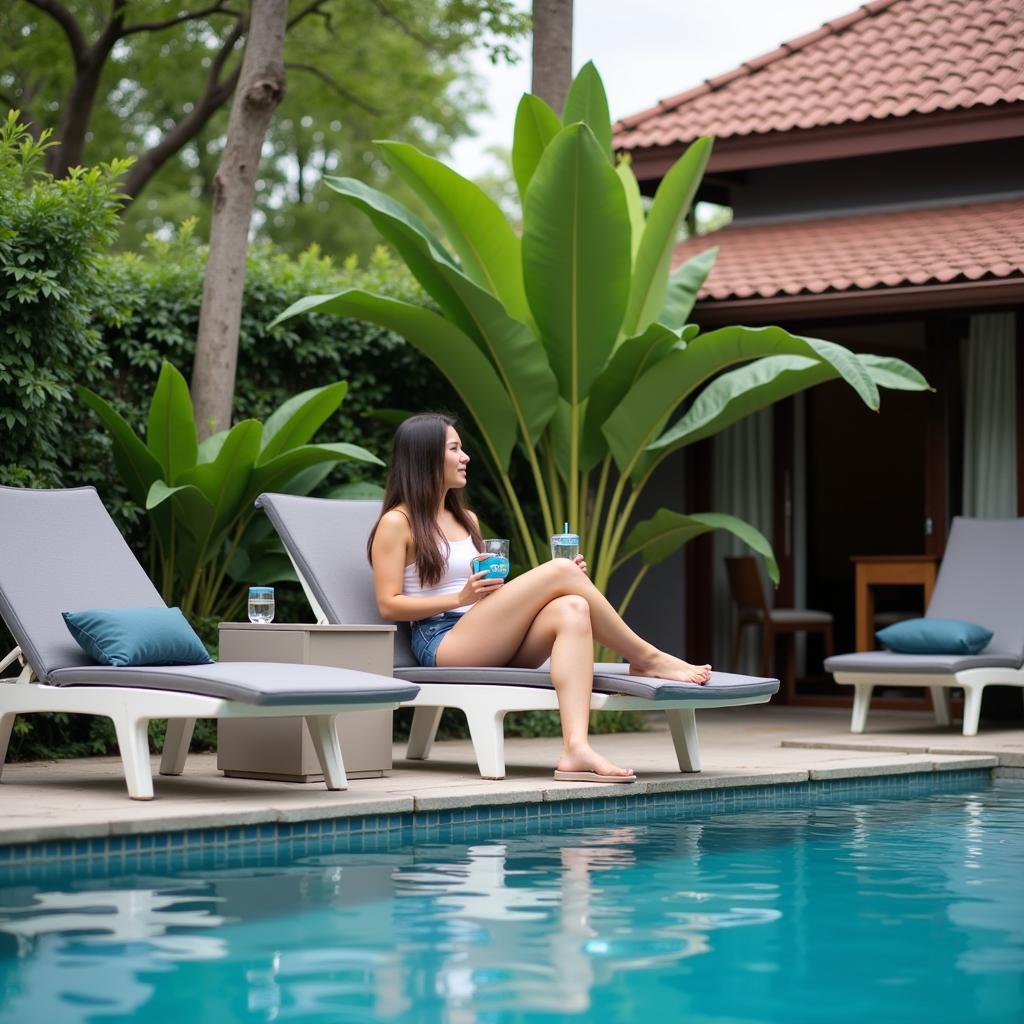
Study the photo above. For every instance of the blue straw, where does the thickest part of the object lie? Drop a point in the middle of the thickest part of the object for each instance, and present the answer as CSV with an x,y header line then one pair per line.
x,y
565,527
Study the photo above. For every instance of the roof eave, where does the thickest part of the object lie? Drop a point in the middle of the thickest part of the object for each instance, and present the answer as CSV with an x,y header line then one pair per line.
x,y
833,142
992,292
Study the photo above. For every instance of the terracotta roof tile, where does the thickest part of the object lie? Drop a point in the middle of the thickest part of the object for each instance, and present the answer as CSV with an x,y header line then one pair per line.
x,y
890,58
864,251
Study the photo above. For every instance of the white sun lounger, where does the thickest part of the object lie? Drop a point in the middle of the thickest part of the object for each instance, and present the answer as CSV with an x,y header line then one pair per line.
x,y
326,541
60,551
981,581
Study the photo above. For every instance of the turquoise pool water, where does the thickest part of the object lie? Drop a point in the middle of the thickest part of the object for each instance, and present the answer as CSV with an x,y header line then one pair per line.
x,y
867,912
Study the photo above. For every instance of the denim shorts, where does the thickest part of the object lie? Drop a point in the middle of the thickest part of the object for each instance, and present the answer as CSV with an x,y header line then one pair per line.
x,y
427,635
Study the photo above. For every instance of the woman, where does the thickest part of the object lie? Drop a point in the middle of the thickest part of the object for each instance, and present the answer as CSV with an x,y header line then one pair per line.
x,y
421,549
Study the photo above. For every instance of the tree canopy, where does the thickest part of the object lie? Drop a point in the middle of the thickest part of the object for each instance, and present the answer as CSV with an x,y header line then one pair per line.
x,y
152,79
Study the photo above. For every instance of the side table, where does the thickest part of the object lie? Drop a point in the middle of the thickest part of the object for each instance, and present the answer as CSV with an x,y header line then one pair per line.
x,y
872,570
280,749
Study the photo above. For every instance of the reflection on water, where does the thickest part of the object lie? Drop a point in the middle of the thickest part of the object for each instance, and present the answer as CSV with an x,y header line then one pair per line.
x,y
914,907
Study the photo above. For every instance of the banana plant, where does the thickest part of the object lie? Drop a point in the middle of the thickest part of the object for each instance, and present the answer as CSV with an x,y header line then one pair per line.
x,y
570,344
199,497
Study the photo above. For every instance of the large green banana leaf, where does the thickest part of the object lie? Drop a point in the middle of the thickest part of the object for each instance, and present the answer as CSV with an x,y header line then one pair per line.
x,y
661,234
536,125
638,419
224,482
194,511
137,465
273,475
894,374
514,352
586,101
455,354
171,427
576,258
369,198
684,285
631,359
635,206
421,252
209,447
666,532
299,418
561,437
740,393
474,224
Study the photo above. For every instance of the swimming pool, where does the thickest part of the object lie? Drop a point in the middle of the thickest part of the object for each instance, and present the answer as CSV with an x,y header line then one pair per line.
x,y
889,909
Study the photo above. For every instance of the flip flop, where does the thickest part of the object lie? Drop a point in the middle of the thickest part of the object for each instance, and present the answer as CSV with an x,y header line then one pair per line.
x,y
593,777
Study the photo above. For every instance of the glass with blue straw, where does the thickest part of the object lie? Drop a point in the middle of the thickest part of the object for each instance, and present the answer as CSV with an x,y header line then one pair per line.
x,y
565,544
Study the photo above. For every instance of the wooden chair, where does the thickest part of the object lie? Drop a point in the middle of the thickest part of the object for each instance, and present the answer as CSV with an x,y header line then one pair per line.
x,y
748,594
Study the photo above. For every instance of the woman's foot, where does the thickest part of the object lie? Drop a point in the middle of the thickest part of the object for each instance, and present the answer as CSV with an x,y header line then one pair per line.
x,y
664,666
586,759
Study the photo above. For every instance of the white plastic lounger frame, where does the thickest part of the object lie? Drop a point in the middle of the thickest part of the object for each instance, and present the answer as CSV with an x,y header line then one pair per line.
x,y
131,711
972,681
981,581
60,550
339,573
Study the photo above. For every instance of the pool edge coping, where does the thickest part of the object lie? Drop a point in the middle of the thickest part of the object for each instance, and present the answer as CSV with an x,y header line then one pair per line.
x,y
154,837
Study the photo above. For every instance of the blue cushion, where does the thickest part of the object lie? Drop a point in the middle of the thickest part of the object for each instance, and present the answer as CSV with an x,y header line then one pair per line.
x,y
935,636
137,636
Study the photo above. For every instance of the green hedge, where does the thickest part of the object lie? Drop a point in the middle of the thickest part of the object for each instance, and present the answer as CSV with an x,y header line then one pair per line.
x,y
52,237
147,310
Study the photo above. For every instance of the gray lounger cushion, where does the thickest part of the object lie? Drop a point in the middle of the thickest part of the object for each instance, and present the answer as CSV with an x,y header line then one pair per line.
x,y
980,581
60,551
613,679
891,663
249,682
327,540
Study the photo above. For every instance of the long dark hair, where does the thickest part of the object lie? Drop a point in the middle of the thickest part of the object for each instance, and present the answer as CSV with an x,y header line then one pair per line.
x,y
416,480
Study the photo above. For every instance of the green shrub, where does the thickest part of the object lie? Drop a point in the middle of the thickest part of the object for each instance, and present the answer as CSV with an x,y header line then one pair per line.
x,y
52,236
147,311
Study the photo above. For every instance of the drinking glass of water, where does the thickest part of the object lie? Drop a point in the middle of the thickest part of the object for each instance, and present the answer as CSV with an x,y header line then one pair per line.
x,y
494,559
565,544
261,604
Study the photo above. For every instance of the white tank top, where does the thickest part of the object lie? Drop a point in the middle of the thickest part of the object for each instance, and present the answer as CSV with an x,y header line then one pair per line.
x,y
456,572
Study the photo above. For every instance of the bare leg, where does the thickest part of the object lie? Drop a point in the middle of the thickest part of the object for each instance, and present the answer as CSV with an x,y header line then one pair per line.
x,y
491,632
562,630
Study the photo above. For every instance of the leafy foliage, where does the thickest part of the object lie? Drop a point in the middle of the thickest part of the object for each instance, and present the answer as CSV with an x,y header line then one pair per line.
x,y
570,344
357,69
52,236
199,497
147,311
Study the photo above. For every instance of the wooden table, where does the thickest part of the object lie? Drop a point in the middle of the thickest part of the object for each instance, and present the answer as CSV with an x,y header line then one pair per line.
x,y
875,570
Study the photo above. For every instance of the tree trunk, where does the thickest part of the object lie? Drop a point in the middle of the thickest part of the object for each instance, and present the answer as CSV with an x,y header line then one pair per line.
x,y
260,88
552,51
89,63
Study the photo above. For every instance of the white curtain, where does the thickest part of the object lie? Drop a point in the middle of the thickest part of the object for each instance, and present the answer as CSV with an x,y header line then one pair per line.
x,y
741,486
990,412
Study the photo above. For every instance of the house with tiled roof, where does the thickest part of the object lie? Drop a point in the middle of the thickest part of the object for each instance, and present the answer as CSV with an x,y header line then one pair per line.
x,y
874,169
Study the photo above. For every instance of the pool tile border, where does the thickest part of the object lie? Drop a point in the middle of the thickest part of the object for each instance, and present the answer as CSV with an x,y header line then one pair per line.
x,y
273,842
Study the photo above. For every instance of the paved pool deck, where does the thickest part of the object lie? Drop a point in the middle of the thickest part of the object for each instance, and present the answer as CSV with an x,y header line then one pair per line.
x,y
751,746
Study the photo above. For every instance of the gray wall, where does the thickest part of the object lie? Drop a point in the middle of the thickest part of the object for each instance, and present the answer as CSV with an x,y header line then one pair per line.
x,y
657,611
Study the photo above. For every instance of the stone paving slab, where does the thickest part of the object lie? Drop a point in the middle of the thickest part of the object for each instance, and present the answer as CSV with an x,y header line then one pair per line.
x,y
1007,746
755,746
